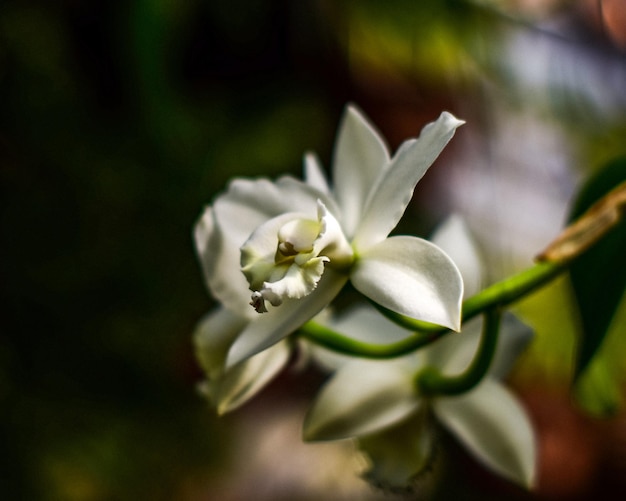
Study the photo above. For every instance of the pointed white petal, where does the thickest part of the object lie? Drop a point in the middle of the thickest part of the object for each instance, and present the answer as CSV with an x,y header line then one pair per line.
x,y
413,277
246,379
454,238
360,157
269,328
399,453
314,173
392,191
362,398
494,427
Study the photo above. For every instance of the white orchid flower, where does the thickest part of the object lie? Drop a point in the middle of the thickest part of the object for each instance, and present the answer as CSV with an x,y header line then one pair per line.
x,y
378,402
293,245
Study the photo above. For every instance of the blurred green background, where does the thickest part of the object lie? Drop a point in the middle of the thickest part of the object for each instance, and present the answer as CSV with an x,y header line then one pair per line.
x,y
120,120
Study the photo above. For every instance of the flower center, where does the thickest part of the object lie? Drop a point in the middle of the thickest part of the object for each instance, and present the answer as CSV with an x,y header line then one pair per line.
x,y
285,257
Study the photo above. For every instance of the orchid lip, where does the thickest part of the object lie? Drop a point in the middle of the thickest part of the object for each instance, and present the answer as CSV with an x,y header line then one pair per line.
x,y
285,257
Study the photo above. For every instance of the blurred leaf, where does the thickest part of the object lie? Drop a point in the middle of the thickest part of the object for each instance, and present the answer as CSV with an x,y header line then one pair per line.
x,y
550,312
599,276
597,389
424,40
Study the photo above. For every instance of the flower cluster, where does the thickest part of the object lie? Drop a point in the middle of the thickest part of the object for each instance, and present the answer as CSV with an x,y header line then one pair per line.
x,y
275,254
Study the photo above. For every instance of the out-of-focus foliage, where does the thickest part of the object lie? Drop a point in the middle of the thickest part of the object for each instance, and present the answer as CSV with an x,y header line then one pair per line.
x,y
599,280
427,41
599,276
552,315
600,387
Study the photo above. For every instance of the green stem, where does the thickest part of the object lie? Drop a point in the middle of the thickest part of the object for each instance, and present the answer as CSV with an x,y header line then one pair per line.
x,y
431,381
498,295
513,288
328,338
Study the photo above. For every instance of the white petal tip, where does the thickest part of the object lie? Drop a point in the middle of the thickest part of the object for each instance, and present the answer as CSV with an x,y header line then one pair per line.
x,y
237,354
452,121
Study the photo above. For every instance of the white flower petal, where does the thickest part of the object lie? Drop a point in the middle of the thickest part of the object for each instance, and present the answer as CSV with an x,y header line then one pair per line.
x,y
247,204
332,242
314,173
365,323
360,157
362,398
294,190
212,338
278,323
493,425
454,352
413,277
219,258
392,191
286,194
203,231
399,453
454,238
514,337
246,379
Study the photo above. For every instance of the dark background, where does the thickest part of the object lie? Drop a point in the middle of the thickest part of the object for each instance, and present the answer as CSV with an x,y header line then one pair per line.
x,y
120,120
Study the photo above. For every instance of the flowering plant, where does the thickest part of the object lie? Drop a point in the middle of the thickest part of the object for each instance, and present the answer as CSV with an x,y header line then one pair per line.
x,y
275,254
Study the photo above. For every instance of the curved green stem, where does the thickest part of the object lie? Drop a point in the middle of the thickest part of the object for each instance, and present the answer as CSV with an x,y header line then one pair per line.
x,y
332,340
513,288
431,381
498,295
